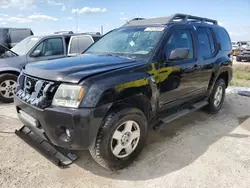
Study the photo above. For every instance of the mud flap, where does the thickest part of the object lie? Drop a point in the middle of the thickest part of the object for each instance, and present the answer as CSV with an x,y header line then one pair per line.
x,y
59,156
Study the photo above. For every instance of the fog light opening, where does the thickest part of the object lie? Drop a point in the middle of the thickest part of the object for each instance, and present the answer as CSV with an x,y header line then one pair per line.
x,y
65,134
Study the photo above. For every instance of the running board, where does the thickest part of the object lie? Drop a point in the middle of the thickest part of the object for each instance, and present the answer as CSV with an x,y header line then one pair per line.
x,y
178,114
56,155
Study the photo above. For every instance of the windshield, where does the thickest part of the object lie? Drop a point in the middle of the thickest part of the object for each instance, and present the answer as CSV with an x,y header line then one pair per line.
x,y
234,43
25,45
132,42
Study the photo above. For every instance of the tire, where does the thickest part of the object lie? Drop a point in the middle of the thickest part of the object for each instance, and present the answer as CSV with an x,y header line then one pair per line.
x,y
238,59
8,83
213,106
102,151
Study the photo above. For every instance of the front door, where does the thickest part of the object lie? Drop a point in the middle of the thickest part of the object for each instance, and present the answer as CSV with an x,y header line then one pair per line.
x,y
52,48
179,79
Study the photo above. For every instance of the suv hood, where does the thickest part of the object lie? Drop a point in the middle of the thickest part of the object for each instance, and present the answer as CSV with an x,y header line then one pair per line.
x,y
74,69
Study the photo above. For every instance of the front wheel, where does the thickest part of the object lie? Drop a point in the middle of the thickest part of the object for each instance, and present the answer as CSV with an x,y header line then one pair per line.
x,y
216,98
238,59
8,84
120,139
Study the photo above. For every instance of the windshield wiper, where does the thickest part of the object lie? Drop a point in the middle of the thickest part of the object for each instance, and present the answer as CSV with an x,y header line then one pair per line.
x,y
115,55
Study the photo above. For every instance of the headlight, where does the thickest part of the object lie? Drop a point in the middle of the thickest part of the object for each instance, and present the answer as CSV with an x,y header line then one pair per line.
x,y
68,96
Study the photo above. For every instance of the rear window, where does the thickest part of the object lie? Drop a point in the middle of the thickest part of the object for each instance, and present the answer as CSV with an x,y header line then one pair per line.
x,y
19,34
223,37
80,44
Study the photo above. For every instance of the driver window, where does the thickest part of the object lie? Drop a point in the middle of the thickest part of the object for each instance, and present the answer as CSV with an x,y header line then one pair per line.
x,y
180,39
50,47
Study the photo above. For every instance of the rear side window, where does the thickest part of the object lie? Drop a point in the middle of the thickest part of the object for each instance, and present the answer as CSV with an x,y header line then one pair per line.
x,y
80,44
19,34
223,38
211,40
206,43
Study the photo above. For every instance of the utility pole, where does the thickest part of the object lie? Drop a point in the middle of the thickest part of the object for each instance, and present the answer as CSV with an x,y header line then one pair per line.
x,y
102,29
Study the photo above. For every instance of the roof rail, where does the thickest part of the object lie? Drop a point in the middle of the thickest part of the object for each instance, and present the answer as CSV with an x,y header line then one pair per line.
x,y
190,18
92,33
172,19
63,32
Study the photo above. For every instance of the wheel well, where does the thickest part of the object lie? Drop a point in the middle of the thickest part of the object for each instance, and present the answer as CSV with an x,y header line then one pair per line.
x,y
224,76
141,102
10,72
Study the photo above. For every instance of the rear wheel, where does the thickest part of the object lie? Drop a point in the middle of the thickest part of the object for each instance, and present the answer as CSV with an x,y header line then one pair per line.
x,y
217,96
120,139
238,59
8,84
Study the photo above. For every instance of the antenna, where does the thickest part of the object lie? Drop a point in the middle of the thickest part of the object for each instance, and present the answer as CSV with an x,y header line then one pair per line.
x,y
77,32
102,29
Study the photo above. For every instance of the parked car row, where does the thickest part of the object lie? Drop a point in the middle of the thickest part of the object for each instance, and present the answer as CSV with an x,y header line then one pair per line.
x,y
142,75
38,48
244,54
241,50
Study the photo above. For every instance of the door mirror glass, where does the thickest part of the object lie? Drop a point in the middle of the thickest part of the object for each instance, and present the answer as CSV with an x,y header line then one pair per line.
x,y
36,53
179,54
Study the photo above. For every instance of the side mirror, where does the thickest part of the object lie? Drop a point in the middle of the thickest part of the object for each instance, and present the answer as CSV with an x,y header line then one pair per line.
x,y
36,53
179,54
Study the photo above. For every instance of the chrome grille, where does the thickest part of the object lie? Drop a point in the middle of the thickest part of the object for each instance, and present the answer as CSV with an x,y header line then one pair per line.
x,y
36,92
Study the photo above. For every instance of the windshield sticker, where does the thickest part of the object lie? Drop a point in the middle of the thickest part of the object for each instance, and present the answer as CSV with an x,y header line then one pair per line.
x,y
154,29
132,43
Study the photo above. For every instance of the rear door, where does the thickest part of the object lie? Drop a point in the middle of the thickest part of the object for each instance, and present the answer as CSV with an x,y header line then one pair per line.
x,y
51,48
207,52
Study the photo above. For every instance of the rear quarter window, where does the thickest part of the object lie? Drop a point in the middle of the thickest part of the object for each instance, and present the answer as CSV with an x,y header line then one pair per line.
x,y
223,38
4,36
19,34
80,44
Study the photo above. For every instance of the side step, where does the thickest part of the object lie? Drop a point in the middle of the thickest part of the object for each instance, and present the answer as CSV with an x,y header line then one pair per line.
x,y
178,114
58,156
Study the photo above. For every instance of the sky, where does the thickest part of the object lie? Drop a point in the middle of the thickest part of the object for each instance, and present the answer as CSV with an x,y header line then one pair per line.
x,y
48,16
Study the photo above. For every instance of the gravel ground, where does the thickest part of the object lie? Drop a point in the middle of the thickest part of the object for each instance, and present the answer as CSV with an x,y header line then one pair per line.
x,y
198,150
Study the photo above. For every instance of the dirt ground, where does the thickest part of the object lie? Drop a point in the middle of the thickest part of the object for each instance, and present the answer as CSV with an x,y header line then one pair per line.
x,y
198,150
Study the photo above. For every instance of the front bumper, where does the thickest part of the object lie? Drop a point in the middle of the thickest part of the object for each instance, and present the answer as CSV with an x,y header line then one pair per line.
x,y
83,124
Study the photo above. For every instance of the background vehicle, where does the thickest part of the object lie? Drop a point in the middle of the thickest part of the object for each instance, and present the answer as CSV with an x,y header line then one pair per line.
x,y
38,48
143,75
9,37
242,44
235,48
244,54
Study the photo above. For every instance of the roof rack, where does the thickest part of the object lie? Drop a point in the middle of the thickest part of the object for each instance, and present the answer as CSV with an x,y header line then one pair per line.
x,y
171,19
92,33
190,18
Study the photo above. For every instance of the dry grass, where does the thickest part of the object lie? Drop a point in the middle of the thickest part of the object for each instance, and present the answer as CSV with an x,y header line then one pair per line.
x,y
241,75
242,67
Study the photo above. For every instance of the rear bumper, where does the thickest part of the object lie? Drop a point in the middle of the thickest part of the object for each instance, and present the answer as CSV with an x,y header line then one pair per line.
x,y
51,122
244,56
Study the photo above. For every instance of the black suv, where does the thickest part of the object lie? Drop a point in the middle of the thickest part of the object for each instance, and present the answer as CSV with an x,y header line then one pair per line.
x,y
143,75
